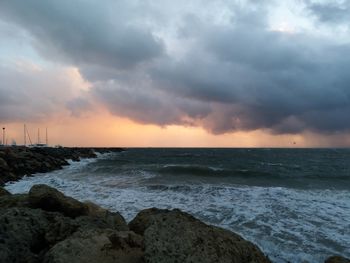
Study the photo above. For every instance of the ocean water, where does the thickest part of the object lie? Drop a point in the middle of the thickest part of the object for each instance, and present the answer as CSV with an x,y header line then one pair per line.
x,y
293,203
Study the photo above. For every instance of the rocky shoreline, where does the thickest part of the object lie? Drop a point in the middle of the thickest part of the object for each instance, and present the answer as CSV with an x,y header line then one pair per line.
x,y
47,226
16,162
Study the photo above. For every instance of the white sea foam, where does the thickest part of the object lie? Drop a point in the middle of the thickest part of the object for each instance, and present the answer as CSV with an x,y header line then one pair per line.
x,y
288,224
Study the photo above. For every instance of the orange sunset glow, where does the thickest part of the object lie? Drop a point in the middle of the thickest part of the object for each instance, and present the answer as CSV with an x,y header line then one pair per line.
x,y
174,131
176,84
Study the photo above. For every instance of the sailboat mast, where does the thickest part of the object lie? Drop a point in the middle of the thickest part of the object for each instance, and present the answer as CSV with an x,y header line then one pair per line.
x,y
47,138
3,136
38,135
30,140
25,136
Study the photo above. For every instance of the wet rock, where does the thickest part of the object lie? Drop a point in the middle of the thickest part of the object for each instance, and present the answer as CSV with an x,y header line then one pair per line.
x,y
50,199
31,224
16,200
100,246
113,219
15,162
337,259
4,192
3,164
175,236
145,219
91,222
47,226
5,172
6,176
26,234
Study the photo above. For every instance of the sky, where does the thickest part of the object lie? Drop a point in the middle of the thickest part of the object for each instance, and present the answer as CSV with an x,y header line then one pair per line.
x,y
147,73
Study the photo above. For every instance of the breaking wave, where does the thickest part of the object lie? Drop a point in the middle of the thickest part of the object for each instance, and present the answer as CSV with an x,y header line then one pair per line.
x,y
290,224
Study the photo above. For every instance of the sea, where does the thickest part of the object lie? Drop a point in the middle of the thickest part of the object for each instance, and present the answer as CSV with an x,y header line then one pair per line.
x,y
293,203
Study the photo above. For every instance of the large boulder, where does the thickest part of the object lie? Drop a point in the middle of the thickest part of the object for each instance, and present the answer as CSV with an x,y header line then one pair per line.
x,y
5,172
16,200
50,199
4,192
112,220
87,215
337,259
6,176
98,246
3,165
27,234
175,236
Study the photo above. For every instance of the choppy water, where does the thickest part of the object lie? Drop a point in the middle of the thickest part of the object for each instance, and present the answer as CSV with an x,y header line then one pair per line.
x,y
293,203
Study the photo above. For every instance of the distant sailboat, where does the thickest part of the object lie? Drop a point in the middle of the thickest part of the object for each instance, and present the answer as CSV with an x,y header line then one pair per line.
x,y
39,143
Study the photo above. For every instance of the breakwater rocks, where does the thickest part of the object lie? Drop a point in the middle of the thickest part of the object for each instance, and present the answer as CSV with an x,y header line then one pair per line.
x,y
15,162
47,226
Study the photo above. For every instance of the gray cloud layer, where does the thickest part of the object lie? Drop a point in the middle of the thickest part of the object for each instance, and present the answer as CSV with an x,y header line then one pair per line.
x,y
31,95
237,75
331,12
84,32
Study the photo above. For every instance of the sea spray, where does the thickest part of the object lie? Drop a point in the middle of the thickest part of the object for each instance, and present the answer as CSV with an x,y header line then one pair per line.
x,y
294,211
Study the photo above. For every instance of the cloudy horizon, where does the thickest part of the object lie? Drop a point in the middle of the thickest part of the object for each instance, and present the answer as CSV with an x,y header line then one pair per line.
x,y
141,73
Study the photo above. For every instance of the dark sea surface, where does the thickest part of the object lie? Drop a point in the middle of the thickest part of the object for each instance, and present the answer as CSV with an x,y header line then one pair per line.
x,y
293,203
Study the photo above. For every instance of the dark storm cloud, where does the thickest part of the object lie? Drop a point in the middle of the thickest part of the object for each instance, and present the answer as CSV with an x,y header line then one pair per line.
x,y
331,12
249,78
237,75
136,98
84,32
263,79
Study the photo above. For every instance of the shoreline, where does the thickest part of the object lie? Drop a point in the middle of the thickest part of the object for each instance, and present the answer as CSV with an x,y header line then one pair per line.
x,y
18,201
19,161
44,225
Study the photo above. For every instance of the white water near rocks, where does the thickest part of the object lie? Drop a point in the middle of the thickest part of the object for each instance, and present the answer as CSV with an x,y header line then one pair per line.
x,y
287,223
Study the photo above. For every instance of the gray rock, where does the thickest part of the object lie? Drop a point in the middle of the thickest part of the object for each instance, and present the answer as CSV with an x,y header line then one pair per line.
x,y
3,165
31,224
175,236
50,199
93,215
26,234
4,192
16,200
90,222
48,226
114,220
337,259
100,246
